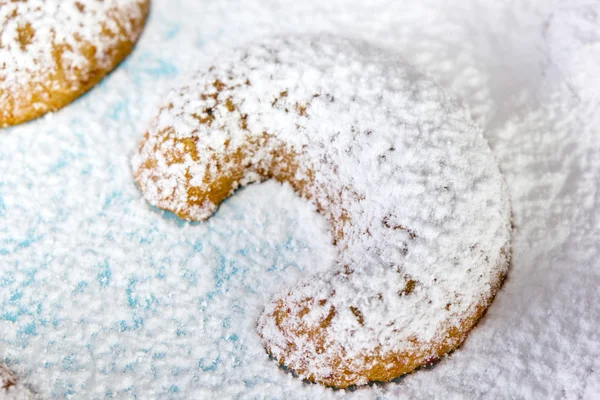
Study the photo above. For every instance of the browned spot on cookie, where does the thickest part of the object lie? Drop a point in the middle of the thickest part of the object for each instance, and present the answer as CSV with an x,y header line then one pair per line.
x,y
244,122
229,104
359,316
149,163
208,120
280,313
108,32
301,110
409,288
25,34
327,321
386,221
219,85
189,147
214,96
388,224
303,312
282,94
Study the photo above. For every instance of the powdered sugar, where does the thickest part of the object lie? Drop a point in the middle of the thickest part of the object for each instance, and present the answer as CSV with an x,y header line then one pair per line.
x,y
69,212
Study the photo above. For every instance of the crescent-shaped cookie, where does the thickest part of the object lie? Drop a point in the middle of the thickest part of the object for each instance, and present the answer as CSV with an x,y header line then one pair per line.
x,y
417,205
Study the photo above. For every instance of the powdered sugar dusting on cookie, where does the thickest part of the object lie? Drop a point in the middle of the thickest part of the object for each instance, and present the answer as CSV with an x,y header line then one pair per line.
x,y
395,164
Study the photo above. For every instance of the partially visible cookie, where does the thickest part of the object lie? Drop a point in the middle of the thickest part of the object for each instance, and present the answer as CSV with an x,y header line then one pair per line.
x,y
53,51
7,379
11,388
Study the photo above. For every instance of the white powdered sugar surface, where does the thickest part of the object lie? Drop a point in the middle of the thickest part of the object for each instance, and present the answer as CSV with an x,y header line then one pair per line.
x,y
103,296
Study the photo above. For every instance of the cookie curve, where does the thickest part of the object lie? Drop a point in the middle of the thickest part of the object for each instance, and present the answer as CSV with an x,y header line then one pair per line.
x,y
58,90
403,363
